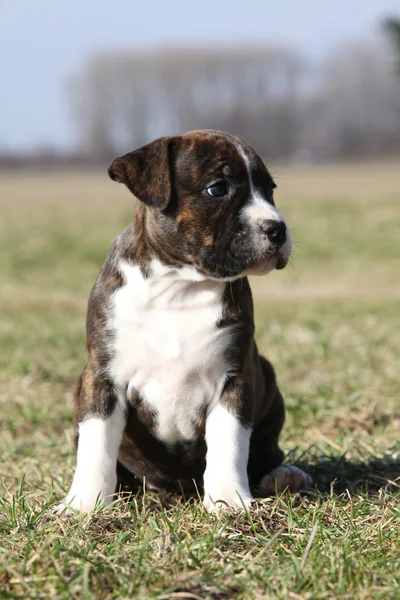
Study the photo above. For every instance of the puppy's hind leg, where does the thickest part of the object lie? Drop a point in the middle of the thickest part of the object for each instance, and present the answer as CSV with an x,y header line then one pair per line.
x,y
100,421
267,474
284,477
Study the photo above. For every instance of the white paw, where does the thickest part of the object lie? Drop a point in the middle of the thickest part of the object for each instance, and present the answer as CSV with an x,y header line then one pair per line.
x,y
227,500
281,478
63,510
81,503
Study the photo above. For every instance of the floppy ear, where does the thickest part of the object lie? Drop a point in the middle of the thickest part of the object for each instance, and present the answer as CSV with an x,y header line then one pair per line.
x,y
146,173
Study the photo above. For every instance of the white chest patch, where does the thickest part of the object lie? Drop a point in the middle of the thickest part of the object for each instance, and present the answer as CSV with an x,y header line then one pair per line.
x,y
167,345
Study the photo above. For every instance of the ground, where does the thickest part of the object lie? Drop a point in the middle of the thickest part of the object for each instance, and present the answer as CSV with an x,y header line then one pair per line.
x,y
331,325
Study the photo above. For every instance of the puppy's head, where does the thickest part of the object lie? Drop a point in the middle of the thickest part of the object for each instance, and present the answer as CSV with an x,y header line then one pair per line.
x,y
209,203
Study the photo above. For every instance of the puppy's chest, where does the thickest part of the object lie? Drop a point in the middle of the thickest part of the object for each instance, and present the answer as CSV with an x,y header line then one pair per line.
x,y
168,348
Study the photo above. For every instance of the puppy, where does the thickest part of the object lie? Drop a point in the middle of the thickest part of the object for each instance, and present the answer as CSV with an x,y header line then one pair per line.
x,y
174,388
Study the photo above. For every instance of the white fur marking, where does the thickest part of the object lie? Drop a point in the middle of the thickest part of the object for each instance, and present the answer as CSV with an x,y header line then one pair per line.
x,y
260,209
95,475
225,477
167,345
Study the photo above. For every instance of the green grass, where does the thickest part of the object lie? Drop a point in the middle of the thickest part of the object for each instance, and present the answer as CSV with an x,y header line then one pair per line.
x,y
331,326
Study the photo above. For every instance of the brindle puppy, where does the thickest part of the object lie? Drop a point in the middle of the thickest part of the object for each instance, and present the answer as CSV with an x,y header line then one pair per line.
x,y
174,388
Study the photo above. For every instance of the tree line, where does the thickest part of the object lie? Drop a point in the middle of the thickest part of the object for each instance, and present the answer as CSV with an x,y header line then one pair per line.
x,y
348,105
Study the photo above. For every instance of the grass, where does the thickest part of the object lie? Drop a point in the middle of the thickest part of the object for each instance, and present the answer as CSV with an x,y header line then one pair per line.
x,y
330,324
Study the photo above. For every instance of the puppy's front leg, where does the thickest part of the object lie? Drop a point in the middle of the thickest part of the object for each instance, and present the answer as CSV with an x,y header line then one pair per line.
x,y
100,432
225,476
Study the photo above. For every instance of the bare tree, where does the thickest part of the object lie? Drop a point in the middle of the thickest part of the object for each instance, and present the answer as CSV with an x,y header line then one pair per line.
x,y
352,111
391,28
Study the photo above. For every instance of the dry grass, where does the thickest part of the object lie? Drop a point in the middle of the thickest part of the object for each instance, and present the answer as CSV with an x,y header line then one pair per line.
x,y
330,324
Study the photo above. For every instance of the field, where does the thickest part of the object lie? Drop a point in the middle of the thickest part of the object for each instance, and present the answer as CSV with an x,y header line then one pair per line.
x,y
330,323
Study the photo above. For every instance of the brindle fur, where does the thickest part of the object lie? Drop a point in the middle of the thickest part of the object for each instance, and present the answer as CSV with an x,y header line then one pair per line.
x,y
168,177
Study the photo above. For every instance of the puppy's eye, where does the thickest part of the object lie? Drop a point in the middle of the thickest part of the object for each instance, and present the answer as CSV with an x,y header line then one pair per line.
x,y
217,189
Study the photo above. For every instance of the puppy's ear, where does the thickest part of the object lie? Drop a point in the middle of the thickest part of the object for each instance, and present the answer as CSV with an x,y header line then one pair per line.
x,y
146,173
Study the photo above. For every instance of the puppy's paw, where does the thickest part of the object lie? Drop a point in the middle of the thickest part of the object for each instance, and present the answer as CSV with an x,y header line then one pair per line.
x,y
223,500
81,503
74,505
281,478
64,510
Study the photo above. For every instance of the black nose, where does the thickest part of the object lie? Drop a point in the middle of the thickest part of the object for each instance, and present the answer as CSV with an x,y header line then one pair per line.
x,y
275,230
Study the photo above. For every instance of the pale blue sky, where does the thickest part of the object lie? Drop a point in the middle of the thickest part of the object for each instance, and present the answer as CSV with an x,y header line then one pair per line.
x,y
42,42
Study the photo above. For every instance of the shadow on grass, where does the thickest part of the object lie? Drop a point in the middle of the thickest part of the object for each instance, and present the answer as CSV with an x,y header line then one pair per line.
x,y
338,474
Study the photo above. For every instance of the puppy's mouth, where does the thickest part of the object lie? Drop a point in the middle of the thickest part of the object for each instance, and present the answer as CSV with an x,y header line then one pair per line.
x,y
259,255
268,263
219,264
281,262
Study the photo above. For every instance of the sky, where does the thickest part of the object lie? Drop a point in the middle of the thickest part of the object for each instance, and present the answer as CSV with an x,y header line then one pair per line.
x,y
44,42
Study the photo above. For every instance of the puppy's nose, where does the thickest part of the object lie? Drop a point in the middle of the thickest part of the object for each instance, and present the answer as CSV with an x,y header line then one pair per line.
x,y
275,230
